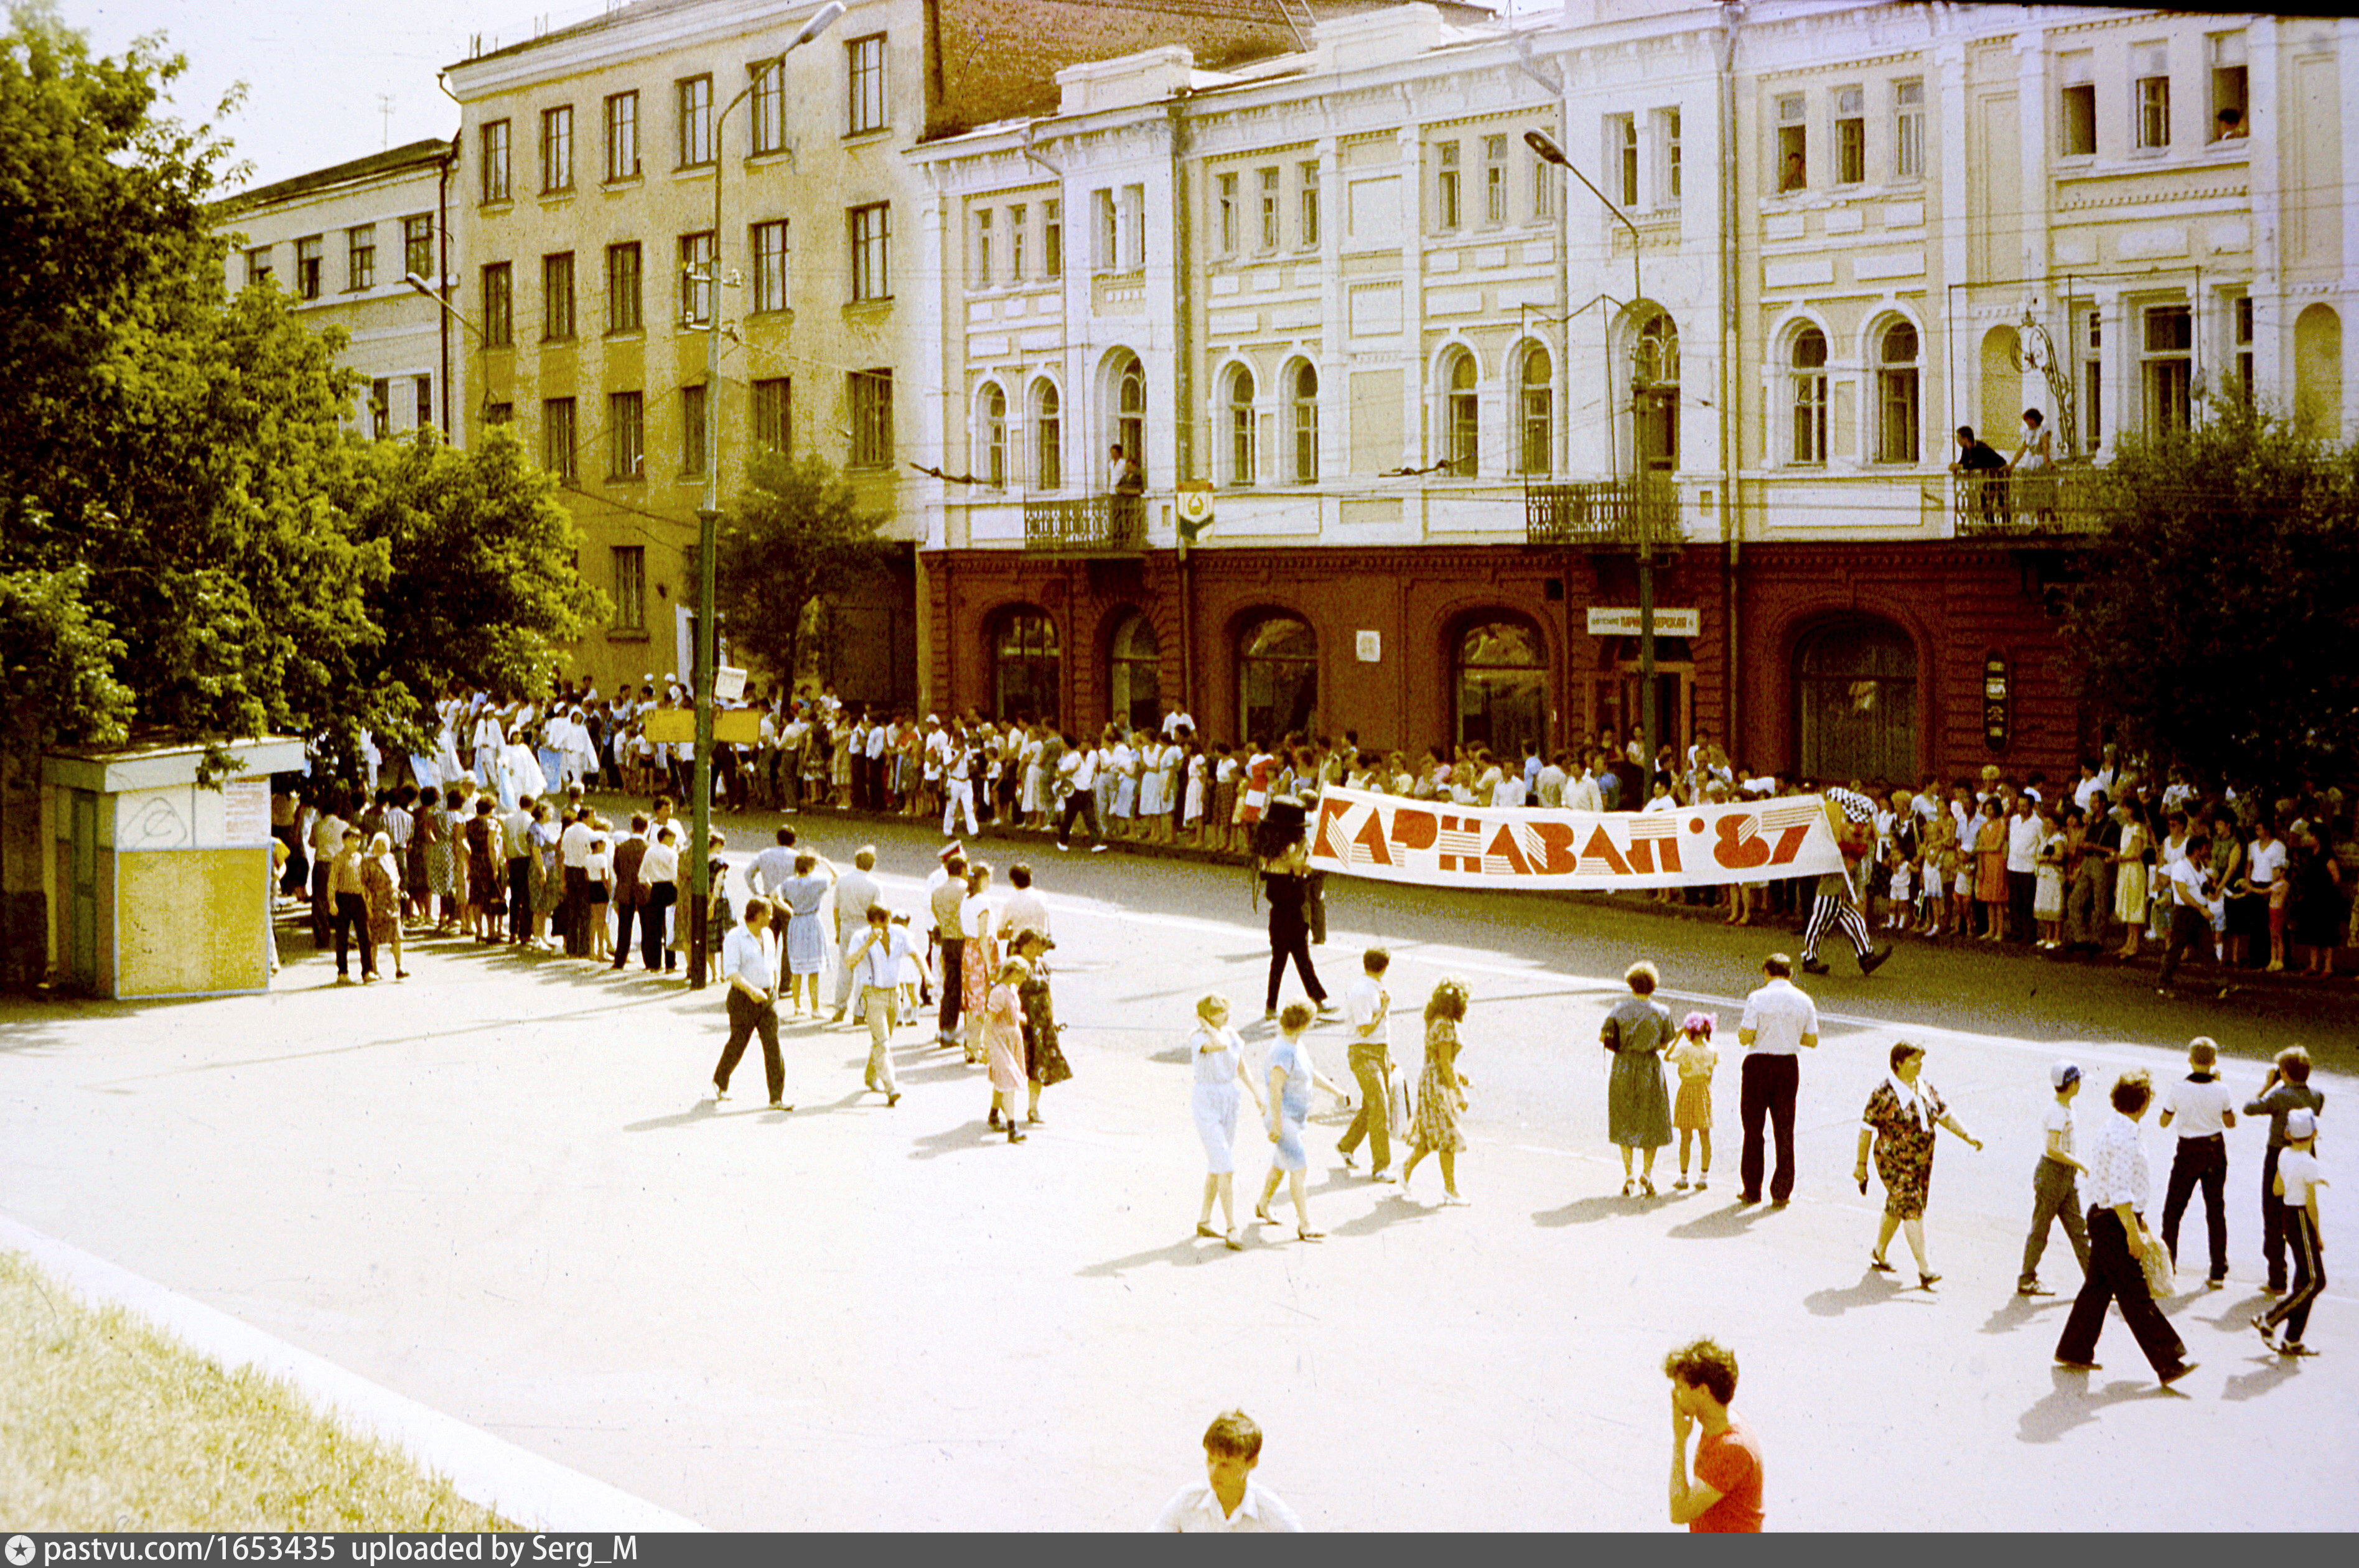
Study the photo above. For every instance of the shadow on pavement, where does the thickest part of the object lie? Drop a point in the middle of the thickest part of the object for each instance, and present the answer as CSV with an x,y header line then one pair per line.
x,y
2236,1318
1589,1211
1178,1056
954,1140
2271,1370
1187,1252
2019,1311
2071,1404
1737,1219
1873,1290
1395,1207
704,1110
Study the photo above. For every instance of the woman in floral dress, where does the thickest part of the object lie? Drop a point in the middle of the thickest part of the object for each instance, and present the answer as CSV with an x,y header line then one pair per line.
x,y
980,956
382,891
438,828
1441,1092
1901,1117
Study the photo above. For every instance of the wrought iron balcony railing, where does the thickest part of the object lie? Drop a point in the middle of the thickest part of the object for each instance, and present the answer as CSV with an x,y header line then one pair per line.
x,y
1094,525
2055,502
1627,511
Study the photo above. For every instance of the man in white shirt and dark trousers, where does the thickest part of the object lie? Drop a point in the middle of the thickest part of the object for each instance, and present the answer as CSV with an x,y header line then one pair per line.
x,y
2188,888
2052,1192
749,962
1230,1501
2296,1192
2117,1194
1780,1021
2202,1107
1367,1006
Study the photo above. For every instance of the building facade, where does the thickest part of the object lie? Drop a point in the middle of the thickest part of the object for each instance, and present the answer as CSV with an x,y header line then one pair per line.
x,y
340,241
1453,401
586,214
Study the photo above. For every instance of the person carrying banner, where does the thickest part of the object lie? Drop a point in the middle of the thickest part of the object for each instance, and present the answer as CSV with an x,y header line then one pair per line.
x,y
1837,903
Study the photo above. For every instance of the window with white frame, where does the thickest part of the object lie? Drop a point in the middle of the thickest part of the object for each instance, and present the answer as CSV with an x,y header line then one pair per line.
x,y
693,444
774,406
623,287
417,247
769,248
1544,178
1851,136
1793,142
2230,110
2076,128
1621,157
1909,129
630,563
1052,240
257,265
495,161
872,419
2152,90
992,418
1268,179
1896,394
983,247
1305,400
1105,253
622,137
1047,437
872,244
2093,379
1806,363
2167,367
1134,227
695,115
310,265
1239,406
1461,414
1445,190
557,149
1494,180
360,257
1538,412
2240,346
1667,136
1308,236
696,279
557,297
1018,226
626,435
769,108
1224,207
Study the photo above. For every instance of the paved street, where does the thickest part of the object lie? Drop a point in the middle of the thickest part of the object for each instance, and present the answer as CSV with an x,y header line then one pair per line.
x,y
498,1188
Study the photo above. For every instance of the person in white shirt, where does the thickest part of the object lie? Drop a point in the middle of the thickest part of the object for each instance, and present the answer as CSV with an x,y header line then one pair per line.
x,y
1582,794
2117,1194
2052,1191
1779,1022
2264,879
2188,888
1025,909
876,961
1367,1009
1230,1501
854,890
658,891
573,911
1077,774
2022,835
2204,1110
749,962
2295,1192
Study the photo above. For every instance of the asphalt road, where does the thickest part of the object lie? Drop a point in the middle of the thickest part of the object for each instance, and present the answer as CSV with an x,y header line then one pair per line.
x,y
498,1189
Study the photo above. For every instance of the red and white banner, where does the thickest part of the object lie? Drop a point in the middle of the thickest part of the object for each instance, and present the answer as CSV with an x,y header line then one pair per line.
x,y
1439,844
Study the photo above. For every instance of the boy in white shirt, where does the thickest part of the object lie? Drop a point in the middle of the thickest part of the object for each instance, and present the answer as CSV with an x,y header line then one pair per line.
x,y
2053,1195
2204,1110
1231,1502
2299,1179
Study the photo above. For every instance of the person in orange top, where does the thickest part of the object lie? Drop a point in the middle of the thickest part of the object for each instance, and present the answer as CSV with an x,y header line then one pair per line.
x,y
1725,1495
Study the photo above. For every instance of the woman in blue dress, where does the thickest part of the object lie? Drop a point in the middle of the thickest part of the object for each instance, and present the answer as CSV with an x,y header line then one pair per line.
x,y
1219,1061
1292,1075
806,942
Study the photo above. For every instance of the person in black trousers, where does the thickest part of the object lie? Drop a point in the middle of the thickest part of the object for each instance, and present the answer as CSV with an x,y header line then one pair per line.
x,y
657,892
2287,1091
1288,887
749,962
2117,1194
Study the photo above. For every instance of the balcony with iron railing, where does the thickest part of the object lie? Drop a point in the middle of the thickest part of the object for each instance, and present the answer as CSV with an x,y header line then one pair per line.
x,y
1093,525
2058,503
1603,513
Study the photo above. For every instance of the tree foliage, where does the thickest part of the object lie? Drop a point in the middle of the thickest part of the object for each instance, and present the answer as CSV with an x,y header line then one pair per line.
x,y
2221,612
796,536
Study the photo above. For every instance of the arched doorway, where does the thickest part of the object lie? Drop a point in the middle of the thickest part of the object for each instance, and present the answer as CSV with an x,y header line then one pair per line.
x,y
1855,702
1499,685
1134,674
1277,677
1025,669
2318,374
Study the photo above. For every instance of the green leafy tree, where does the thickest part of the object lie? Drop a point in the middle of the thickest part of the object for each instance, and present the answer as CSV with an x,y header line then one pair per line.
x,y
482,583
796,536
2220,612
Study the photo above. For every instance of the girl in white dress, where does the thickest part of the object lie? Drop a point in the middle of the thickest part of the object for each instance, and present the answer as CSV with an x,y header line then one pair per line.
x,y
1151,799
1028,758
1192,808
1219,1056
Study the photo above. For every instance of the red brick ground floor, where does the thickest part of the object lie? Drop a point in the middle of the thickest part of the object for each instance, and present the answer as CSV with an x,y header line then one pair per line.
x,y
1877,661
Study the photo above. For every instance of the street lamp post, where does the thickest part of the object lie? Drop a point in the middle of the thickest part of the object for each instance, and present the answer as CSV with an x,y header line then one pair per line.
x,y
481,337
1541,143
708,514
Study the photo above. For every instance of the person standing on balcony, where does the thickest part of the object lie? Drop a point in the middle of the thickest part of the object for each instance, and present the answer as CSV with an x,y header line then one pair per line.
x,y
1975,459
2034,469
1128,483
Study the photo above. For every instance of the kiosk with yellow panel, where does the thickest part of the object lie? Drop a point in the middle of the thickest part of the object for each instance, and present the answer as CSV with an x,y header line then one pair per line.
x,y
161,886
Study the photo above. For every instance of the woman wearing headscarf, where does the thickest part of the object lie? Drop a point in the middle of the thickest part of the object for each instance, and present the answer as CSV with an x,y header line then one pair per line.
x,y
1638,1104
381,886
1899,1119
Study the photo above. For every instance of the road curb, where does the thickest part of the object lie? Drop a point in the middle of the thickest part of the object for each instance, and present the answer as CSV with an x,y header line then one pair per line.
x,y
521,1487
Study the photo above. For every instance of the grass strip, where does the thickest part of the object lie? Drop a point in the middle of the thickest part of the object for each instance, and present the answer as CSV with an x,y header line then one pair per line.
x,y
106,1424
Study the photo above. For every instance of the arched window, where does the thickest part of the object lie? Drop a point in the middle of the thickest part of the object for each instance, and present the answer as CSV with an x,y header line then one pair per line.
x,y
992,409
1460,414
1305,423
2002,388
1655,392
1026,674
1047,438
1855,702
1808,370
1239,412
1130,410
2318,374
1895,393
1136,676
1538,412
1500,674
1277,677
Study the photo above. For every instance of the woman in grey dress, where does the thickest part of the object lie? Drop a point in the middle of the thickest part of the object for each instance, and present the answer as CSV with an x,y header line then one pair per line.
x,y
1638,1101
806,955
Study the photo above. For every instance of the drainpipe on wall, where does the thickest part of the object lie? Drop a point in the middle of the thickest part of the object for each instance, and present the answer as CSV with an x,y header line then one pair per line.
x,y
1183,378
442,251
1731,385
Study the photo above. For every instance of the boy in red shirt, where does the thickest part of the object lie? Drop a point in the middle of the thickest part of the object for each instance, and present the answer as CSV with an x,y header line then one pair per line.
x,y
1726,1492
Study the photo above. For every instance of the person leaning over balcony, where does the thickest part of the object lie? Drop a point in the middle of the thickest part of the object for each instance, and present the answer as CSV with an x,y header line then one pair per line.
x,y
1975,458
